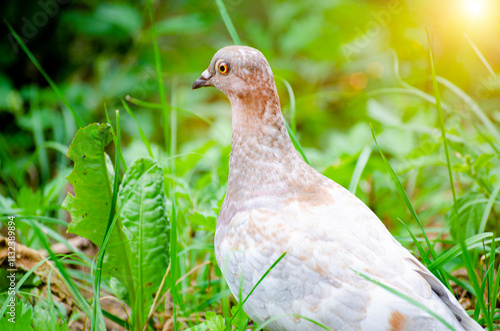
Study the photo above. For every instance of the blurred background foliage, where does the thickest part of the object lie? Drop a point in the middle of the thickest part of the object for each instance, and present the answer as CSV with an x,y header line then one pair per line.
x,y
333,54
349,63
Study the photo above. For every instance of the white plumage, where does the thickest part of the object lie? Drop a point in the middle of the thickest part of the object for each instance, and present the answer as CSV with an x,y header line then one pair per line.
x,y
275,202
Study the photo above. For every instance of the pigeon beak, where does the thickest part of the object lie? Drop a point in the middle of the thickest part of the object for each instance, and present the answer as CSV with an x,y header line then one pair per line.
x,y
204,80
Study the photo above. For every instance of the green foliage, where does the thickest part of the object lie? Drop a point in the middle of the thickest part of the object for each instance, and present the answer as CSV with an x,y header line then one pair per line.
x,y
23,318
240,320
146,227
470,208
407,299
90,206
138,250
339,67
215,322
45,319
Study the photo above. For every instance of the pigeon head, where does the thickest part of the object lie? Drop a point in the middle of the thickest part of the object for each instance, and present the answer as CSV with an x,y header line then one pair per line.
x,y
237,71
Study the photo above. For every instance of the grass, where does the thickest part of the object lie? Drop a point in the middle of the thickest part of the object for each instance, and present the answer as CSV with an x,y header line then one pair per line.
x,y
188,134
96,312
242,301
159,75
469,265
57,91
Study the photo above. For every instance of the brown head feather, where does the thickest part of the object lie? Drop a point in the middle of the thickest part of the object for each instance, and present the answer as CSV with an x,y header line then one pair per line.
x,y
264,168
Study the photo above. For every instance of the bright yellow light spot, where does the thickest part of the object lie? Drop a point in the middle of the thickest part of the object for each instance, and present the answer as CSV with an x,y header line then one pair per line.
x,y
474,7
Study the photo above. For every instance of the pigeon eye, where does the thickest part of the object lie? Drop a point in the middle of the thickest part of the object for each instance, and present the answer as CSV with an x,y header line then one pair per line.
x,y
223,67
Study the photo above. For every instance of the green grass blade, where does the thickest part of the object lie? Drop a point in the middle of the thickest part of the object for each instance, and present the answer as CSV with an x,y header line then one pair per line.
x,y
414,91
495,282
437,95
116,319
122,160
118,211
486,277
489,206
410,90
241,303
19,284
152,105
38,135
480,56
173,125
296,143
471,243
472,106
173,260
157,296
35,62
82,303
97,311
441,274
396,71
402,193
107,235
228,22
38,218
463,284
60,239
62,149
291,96
406,298
363,158
269,321
415,240
142,103
224,299
468,262
159,75
145,140
52,313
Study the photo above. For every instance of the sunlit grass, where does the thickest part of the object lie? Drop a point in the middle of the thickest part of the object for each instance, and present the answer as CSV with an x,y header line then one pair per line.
x,y
465,130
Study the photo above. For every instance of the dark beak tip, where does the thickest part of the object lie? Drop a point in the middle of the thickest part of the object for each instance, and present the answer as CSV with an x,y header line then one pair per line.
x,y
200,82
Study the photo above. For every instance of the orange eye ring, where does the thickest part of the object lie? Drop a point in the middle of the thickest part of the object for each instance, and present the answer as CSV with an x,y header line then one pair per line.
x,y
223,67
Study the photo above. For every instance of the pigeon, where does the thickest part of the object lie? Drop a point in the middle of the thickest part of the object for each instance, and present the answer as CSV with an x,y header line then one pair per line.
x,y
338,252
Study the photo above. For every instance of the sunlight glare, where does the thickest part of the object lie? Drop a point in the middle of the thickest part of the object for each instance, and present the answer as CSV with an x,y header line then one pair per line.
x,y
474,7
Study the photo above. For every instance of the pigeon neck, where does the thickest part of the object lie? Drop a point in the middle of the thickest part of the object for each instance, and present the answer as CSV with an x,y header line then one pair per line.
x,y
259,127
263,159
265,170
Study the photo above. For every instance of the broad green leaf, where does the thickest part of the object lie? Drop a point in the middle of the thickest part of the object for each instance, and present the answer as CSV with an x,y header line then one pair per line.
x,y
185,164
45,319
378,112
29,201
215,322
199,327
89,207
92,177
470,209
240,320
180,25
18,318
206,219
482,161
145,223
120,15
